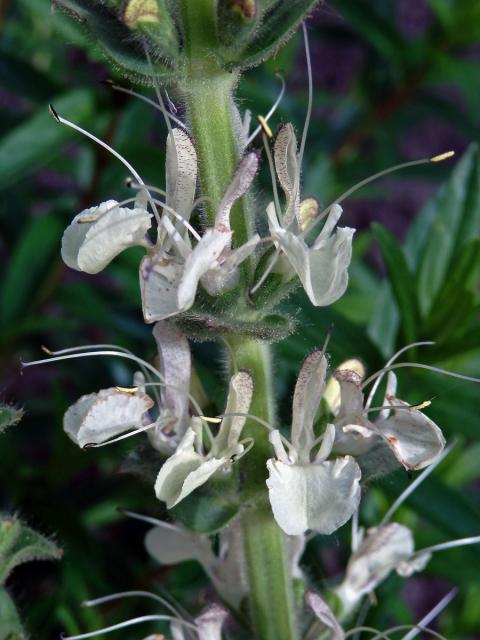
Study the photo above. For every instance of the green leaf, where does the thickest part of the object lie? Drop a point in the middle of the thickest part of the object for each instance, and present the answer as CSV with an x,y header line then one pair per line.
x,y
278,25
121,44
30,258
448,221
10,626
457,299
20,544
401,279
9,416
39,139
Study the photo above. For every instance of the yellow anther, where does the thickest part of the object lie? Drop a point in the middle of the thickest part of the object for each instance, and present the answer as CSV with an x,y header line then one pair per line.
x,y
127,389
266,129
86,219
46,350
213,420
421,405
442,156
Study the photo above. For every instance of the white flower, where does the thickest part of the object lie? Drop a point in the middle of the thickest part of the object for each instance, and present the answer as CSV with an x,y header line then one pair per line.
x,y
415,440
97,235
190,466
97,417
170,277
308,493
380,552
323,266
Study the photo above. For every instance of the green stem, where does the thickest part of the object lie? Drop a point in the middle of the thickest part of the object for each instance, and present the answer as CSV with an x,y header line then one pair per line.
x,y
271,593
208,92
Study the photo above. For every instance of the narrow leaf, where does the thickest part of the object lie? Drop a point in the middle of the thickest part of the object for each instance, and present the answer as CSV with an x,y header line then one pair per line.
x,y
401,279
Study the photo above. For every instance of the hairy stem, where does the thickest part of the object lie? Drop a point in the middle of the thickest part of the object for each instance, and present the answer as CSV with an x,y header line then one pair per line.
x,y
271,594
208,93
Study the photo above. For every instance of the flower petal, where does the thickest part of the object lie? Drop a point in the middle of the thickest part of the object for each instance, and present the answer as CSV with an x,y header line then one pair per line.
x,y
322,271
380,552
202,258
240,394
319,496
184,472
180,172
160,277
325,615
97,235
332,394
175,367
415,440
306,399
226,275
241,181
170,544
288,170
97,417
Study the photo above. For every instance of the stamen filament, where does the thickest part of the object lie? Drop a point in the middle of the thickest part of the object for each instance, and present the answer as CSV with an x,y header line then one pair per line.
x,y
417,365
131,594
431,615
413,485
129,623
125,162
376,176
272,174
96,445
392,359
266,273
270,113
149,101
460,542
310,95
119,354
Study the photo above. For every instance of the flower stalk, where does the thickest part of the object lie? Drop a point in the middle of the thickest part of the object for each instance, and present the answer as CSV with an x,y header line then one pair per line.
x,y
270,585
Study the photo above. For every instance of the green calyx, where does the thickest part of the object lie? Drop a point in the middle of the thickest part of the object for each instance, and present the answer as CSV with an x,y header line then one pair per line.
x,y
244,33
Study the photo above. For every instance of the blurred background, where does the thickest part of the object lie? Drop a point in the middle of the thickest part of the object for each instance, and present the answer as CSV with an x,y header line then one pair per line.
x,y
393,81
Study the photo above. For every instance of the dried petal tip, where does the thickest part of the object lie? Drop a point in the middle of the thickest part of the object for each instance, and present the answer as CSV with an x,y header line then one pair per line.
x,y
442,156
53,113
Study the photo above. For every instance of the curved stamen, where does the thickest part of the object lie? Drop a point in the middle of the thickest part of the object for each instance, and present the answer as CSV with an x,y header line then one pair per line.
x,y
131,594
413,485
267,272
310,95
460,542
96,445
431,615
376,176
149,101
271,166
86,133
100,346
417,365
118,354
391,361
271,111
129,623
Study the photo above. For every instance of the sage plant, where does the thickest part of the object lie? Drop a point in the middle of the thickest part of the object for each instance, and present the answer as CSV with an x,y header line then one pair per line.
x,y
217,266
